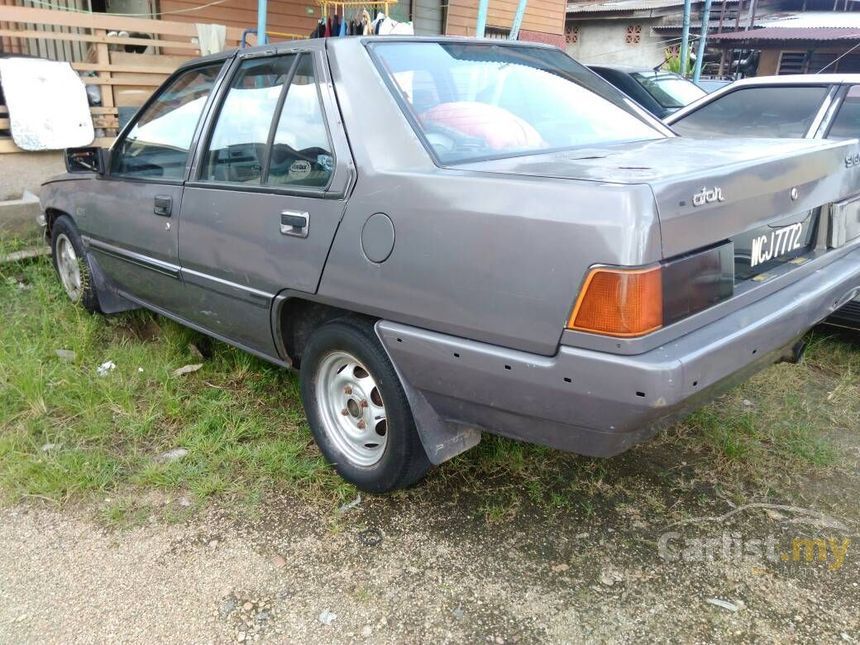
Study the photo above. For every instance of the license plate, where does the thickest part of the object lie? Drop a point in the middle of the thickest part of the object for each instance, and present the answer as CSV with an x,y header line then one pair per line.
x,y
776,244
768,246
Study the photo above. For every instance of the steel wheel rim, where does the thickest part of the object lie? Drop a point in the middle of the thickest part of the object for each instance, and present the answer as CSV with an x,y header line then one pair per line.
x,y
69,267
350,405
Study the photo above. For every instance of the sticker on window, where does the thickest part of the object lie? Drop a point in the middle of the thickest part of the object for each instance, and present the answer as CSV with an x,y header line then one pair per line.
x,y
300,169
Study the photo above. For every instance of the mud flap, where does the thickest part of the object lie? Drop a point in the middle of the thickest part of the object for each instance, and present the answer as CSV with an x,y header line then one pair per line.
x,y
442,440
110,300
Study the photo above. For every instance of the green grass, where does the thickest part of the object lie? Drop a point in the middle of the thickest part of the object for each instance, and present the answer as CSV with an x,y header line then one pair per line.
x,y
239,418
68,434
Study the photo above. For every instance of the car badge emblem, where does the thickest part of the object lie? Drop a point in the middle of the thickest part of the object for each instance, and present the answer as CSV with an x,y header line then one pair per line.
x,y
708,196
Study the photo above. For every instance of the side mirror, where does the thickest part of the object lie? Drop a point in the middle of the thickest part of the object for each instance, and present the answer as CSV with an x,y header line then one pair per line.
x,y
89,159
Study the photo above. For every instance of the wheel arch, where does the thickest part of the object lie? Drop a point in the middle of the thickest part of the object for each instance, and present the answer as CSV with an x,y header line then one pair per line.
x,y
294,319
51,216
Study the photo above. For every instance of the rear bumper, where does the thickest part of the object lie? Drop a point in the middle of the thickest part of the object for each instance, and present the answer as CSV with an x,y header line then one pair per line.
x,y
847,316
597,403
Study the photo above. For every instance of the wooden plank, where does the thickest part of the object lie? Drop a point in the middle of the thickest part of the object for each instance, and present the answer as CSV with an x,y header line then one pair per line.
x,y
147,60
102,39
103,121
134,79
8,146
26,254
103,58
105,21
162,70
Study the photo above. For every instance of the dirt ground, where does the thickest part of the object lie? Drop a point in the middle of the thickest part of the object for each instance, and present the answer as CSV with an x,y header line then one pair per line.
x,y
419,568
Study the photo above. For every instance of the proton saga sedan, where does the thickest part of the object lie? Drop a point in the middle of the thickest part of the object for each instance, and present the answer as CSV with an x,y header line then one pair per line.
x,y
451,236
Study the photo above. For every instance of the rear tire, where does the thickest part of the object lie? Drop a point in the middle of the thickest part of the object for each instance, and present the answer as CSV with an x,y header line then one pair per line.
x,y
70,262
357,409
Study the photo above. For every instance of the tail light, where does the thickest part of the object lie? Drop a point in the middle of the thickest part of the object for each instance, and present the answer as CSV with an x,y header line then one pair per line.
x,y
627,302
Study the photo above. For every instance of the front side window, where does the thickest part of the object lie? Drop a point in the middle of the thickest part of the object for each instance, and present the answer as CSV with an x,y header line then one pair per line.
x,y
157,145
846,125
781,112
476,100
669,90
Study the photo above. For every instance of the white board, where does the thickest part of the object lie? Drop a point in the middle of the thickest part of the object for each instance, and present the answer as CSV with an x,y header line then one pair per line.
x,y
47,104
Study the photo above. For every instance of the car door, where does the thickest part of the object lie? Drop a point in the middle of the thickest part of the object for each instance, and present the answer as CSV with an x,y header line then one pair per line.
x,y
268,191
130,222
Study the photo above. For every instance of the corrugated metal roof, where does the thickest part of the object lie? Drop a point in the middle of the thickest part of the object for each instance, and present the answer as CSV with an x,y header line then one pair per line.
x,y
602,6
696,26
789,33
831,19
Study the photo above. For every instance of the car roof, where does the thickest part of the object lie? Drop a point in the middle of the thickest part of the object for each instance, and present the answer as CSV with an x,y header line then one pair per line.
x,y
800,79
311,44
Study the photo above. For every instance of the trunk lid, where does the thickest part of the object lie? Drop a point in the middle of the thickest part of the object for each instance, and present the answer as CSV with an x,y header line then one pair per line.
x,y
765,195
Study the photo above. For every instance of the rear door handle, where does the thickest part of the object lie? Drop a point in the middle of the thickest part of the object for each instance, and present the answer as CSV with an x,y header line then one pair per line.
x,y
294,223
163,205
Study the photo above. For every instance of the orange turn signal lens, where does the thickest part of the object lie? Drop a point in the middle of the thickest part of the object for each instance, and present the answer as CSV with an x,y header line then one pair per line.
x,y
618,302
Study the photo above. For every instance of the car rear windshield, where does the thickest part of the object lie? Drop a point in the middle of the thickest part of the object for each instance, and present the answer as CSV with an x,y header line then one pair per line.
x,y
473,100
669,90
782,112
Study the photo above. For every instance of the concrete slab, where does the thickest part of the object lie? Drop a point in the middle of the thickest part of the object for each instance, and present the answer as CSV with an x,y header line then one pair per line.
x,y
18,216
27,170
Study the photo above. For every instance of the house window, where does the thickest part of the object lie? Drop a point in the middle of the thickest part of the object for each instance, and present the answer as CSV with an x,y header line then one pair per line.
x,y
633,35
497,33
792,63
571,35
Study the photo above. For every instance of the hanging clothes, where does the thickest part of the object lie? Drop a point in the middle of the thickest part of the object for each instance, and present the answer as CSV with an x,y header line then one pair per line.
x,y
342,30
377,22
366,28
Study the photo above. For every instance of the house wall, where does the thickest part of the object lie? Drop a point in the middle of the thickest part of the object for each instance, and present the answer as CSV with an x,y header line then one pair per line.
x,y
821,55
300,16
284,16
604,41
545,16
768,62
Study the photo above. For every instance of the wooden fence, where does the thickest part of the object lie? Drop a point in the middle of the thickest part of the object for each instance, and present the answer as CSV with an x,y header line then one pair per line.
x,y
124,77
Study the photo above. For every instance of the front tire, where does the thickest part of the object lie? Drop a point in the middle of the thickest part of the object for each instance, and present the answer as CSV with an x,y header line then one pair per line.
x,y
357,409
69,258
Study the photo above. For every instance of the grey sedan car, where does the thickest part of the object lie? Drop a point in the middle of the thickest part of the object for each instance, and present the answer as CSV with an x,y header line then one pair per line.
x,y
814,106
453,236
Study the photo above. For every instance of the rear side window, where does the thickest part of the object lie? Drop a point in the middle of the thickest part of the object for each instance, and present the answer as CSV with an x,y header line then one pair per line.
x,y
157,145
237,147
781,112
301,151
846,125
271,128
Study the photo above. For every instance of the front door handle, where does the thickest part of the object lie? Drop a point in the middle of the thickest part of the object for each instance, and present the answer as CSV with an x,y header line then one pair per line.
x,y
163,205
294,223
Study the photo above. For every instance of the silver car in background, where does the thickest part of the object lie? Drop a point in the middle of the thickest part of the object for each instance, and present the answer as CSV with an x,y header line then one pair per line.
x,y
812,106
